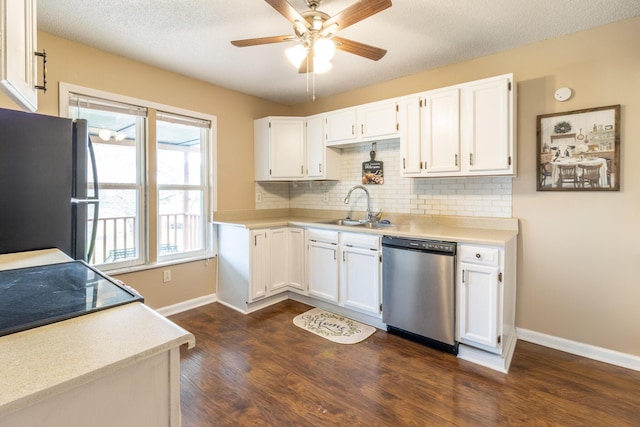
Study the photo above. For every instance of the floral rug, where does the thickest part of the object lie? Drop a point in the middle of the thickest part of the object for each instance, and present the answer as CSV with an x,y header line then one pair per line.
x,y
333,327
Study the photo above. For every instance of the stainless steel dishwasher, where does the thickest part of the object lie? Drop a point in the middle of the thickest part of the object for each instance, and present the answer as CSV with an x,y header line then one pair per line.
x,y
418,290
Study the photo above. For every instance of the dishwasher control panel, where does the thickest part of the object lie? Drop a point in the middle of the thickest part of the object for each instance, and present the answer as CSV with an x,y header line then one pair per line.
x,y
419,244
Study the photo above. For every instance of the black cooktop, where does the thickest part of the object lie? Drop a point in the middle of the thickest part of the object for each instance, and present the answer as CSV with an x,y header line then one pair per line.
x,y
37,296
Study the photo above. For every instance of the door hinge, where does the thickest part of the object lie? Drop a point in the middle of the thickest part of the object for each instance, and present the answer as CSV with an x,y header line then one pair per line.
x,y
499,339
500,277
397,109
269,172
380,307
397,126
269,125
509,86
509,160
380,257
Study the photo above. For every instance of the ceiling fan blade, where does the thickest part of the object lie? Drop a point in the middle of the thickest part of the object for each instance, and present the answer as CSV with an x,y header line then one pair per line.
x,y
357,12
285,9
261,40
361,49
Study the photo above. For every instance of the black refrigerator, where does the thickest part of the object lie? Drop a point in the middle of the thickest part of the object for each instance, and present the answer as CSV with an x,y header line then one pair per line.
x,y
44,200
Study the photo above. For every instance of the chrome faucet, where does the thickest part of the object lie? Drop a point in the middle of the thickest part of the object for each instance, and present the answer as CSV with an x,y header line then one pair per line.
x,y
370,216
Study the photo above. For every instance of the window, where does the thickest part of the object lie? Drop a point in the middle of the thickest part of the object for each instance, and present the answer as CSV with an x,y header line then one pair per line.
x,y
181,160
181,153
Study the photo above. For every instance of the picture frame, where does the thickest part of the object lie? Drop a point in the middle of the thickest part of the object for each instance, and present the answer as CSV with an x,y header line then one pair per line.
x,y
579,150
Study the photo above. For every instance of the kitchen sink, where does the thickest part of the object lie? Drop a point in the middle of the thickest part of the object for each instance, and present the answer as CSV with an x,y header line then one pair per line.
x,y
357,223
346,221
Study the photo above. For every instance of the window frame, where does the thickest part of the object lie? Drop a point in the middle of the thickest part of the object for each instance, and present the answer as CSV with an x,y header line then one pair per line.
x,y
149,234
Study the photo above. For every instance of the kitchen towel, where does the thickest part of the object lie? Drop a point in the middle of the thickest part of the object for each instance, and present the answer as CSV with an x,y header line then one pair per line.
x,y
333,327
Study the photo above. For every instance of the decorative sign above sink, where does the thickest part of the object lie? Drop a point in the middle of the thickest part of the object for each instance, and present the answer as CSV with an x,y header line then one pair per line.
x,y
372,170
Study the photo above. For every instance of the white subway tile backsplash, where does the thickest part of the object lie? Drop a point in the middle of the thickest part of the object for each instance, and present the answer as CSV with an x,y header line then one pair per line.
x,y
472,196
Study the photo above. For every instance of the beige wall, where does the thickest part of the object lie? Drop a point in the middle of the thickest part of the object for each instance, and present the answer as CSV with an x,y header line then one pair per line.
x,y
577,251
577,255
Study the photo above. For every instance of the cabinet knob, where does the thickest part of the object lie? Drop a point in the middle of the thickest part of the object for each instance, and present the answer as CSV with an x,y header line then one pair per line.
x,y
478,256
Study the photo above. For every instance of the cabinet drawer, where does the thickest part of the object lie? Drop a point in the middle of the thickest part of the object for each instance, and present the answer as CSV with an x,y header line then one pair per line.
x,y
479,255
361,240
322,235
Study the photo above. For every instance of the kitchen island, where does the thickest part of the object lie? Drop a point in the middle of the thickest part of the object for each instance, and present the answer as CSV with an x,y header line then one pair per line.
x,y
115,367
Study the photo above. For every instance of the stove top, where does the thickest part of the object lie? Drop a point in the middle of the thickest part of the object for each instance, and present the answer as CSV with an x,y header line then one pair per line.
x,y
36,296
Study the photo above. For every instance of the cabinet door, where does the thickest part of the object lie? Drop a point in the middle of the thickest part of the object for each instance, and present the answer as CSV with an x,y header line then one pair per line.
x,y
296,258
440,131
340,126
315,147
479,306
259,271
378,120
487,120
409,121
360,279
278,258
322,270
286,148
18,62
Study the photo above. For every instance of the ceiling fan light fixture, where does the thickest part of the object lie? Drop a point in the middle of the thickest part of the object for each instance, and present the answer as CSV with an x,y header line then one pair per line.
x,y
296,55
324,49
321,66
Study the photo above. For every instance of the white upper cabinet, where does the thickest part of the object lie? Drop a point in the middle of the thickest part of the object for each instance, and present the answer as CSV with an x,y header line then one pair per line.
x,y
341,126
364,123
488,125
378,120
279,148
322,162
462,130
440,131
18,41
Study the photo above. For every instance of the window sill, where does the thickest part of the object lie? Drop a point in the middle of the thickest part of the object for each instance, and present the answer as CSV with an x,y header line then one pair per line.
x,y
142,267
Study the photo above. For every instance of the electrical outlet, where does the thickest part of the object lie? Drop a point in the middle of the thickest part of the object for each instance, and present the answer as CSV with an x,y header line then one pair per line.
x,y
325,196
166,276
258,197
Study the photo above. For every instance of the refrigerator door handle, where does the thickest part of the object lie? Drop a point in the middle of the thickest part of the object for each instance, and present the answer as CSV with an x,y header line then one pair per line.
x,y
93,200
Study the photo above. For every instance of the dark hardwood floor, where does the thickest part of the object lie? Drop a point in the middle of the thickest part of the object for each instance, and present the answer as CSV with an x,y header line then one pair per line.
x,y
262,370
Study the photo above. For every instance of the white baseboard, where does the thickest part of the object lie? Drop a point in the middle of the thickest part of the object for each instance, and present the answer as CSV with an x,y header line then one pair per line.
x,y
187,305
600,354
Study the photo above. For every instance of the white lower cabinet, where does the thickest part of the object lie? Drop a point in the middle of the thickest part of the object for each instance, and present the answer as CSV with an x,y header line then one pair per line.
x,y
344,268
360,272
322,264
256,264
486,303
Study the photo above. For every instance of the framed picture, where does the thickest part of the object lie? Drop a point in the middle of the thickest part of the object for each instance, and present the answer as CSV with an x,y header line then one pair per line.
x,y
579,150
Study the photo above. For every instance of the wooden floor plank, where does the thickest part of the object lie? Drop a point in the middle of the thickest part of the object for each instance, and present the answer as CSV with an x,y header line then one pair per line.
x,y
262,370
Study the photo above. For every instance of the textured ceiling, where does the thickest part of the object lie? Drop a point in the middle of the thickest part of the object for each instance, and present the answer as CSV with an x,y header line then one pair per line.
x,y
192,37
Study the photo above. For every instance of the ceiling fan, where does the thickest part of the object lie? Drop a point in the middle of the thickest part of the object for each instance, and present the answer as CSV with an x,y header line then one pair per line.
x,y
314,32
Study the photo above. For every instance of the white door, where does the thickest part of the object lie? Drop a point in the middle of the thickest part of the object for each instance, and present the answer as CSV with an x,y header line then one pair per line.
x,y
479,305
486,120
322,266
360,279
340,126
378,120
315,147
440,131
18,31
409,121
259,271
296,258
286,149
279,258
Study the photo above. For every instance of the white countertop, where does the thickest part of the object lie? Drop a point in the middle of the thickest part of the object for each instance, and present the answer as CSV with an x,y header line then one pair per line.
x,y
415,229
45,361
